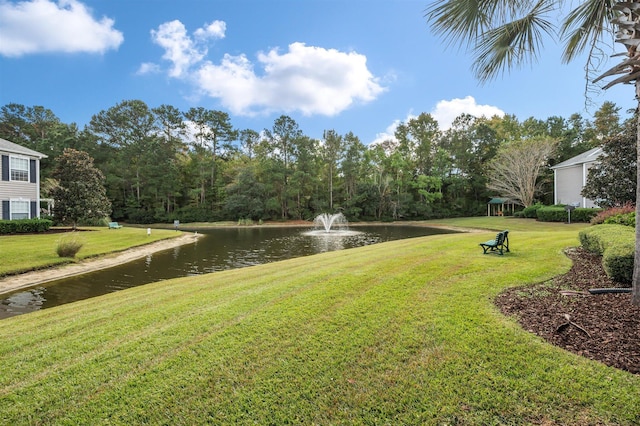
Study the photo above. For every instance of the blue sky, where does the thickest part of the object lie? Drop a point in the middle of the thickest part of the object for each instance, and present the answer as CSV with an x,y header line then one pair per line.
x,y
357,65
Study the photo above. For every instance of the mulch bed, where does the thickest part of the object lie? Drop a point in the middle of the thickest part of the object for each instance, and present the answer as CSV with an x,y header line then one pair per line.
x,y
603,327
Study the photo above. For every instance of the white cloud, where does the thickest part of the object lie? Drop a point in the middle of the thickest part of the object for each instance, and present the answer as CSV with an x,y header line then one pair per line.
x,y
389,134
39,26
312,80
308,79
214,30
148,68
179,48
447,111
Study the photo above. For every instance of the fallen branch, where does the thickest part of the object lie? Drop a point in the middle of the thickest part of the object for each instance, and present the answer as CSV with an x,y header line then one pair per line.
x,y
568,323
573,293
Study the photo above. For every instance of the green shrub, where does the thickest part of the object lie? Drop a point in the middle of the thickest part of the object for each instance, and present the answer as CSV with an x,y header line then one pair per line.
x,y
597,239
531,212
519,214
24,226
616,245
618,261
141,216
69,245
628,219
559,213
552,214
591,242
582,214
104,221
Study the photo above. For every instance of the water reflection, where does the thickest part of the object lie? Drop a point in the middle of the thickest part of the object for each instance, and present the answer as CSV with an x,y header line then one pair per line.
x,y
216,250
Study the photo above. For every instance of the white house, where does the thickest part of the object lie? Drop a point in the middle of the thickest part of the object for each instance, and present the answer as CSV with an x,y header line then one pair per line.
x,y
19,181
570,176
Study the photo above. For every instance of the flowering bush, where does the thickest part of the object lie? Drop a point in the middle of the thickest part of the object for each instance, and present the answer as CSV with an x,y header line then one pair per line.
x,y
623,215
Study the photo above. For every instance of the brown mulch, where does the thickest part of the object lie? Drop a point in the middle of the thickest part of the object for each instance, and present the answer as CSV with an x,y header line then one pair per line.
x,y
603,327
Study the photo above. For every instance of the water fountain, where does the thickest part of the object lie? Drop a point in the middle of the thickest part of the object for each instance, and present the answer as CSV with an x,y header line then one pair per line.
x,y
327,221
333,225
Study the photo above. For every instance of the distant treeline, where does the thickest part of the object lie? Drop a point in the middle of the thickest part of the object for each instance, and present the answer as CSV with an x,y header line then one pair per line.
x,y
162,164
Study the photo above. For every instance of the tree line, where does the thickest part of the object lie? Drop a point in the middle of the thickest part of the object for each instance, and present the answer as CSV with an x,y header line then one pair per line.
x,y
162,164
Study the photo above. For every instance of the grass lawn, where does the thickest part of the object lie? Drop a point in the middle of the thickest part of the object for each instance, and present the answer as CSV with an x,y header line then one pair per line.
x,y
21,253
403,332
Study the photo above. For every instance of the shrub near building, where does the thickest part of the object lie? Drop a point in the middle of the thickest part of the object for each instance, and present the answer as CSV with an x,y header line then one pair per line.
x,y
622,215
560,214
24,226
531,212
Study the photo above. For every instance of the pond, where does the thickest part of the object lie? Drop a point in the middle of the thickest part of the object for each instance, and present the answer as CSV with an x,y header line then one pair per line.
x,y
218,249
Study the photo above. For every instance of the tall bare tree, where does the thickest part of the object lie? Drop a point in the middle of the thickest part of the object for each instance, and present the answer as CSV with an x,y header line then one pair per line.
x,y
516,169
503,34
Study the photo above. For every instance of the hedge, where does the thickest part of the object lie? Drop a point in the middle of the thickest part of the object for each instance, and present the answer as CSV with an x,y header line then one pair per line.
x,y
552,214
582,214
616,245
618,261
531,211
22,226
559,214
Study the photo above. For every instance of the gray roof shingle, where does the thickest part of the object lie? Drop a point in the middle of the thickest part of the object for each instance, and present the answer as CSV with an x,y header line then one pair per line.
x,y
586,157
14,148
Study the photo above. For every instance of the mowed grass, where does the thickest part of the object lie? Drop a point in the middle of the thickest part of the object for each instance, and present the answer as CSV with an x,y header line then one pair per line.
x,y
21,253
403,332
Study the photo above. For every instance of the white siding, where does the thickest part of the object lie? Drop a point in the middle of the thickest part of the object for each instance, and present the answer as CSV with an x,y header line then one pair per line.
x,y
568,185
585,201
18,190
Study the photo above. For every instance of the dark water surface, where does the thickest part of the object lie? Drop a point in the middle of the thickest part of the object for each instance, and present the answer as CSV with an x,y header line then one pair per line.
x,y
218,249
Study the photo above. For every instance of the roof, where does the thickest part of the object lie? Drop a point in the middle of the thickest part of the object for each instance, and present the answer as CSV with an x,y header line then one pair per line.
x,y
14,148
500,201
586,157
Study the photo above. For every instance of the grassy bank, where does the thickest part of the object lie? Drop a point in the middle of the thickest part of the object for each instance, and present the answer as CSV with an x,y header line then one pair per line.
x,y
403,332
21,253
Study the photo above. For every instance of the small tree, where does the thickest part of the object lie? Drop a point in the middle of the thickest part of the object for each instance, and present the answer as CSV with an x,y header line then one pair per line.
x,y
515,170
80,193
613,182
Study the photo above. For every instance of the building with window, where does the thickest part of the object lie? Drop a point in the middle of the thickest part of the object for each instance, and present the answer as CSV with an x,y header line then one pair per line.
x,y
19,181
570,177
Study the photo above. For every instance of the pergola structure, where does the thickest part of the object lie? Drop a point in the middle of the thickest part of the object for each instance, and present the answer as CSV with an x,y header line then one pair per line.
x,y
497,206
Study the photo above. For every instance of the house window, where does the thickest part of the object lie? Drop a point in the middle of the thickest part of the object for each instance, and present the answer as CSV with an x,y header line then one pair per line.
x,y
19,209
19,169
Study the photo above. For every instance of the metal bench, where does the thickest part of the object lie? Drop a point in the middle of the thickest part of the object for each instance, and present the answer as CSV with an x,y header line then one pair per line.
x,y
500,244
114,225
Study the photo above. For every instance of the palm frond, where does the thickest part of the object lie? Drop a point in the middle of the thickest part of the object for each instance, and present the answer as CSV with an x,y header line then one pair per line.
x,y
585,25
513,43
463,21
458,20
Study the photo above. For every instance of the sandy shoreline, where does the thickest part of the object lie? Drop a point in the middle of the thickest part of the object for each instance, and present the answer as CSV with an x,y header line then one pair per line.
x,y
29,279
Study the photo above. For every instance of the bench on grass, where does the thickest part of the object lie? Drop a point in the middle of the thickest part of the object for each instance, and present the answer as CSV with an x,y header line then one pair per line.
x,y
114,225
500,244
